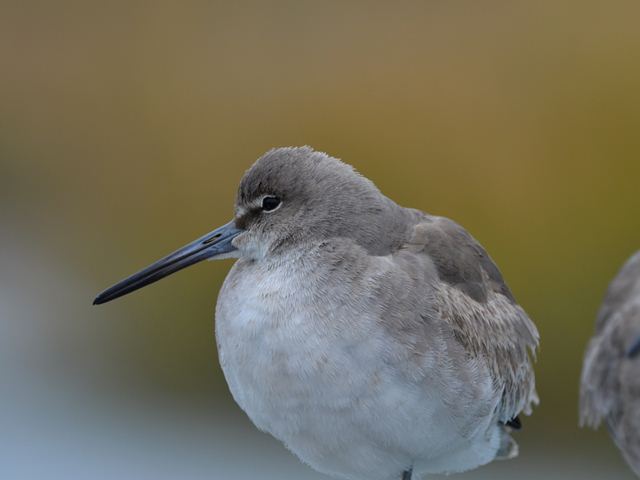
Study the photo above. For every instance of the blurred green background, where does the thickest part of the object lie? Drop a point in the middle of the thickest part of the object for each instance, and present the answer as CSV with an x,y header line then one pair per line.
x,y
126,126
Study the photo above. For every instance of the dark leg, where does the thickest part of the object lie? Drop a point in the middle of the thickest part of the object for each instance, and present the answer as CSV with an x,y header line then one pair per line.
x,y
406,475
514,423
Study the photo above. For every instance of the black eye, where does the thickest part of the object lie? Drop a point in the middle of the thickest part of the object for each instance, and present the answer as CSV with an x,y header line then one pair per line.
x,y
270,203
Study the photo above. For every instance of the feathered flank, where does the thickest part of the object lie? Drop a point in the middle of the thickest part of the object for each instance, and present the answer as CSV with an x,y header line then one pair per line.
x,y
478,306
610,385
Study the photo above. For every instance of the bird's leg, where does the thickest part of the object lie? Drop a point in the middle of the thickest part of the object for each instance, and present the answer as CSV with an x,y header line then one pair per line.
x,y
406,475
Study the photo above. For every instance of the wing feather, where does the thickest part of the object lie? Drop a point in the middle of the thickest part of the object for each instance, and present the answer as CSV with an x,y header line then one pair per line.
x,y
474,300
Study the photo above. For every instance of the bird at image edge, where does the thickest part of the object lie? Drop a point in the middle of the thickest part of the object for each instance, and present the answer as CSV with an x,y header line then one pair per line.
x,y
377,342
610,385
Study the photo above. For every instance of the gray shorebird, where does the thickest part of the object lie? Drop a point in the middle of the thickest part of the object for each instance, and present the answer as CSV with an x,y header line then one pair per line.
x,y
373,340
610,388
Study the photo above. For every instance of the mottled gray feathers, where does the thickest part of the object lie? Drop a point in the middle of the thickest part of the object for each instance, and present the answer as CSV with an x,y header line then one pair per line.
x,y
461,261
610,386
476,303
623,287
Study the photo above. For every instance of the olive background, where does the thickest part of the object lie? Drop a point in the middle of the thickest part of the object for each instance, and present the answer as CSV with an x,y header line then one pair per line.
x,y
126,126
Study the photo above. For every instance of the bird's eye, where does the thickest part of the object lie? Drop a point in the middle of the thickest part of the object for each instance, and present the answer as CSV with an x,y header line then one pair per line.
x,y
270,203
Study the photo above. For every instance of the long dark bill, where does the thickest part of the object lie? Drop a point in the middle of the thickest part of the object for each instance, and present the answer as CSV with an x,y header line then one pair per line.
x,y
212,244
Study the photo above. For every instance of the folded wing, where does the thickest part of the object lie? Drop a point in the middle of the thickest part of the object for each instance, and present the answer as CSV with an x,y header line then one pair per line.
x,y
474,300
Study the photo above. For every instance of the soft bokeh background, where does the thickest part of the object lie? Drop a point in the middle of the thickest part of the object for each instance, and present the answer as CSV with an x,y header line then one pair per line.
x,y
125,127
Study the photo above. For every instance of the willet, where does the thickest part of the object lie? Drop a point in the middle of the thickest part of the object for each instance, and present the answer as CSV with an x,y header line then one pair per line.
x,y
610,389
373,340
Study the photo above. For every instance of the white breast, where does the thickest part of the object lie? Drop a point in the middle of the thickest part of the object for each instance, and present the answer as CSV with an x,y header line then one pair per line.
x,y
313,375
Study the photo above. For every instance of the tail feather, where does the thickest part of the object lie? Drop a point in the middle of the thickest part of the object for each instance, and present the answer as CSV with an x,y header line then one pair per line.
x,y
508,446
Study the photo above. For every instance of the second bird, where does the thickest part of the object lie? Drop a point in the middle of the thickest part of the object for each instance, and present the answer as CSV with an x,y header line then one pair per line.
x,y
375,341
610,387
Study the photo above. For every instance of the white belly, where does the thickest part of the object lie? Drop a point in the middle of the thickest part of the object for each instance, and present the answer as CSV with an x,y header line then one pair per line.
x,y
326,392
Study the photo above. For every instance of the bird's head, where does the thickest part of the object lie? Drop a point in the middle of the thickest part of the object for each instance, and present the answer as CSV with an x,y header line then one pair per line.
x,y
289,197
292,196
